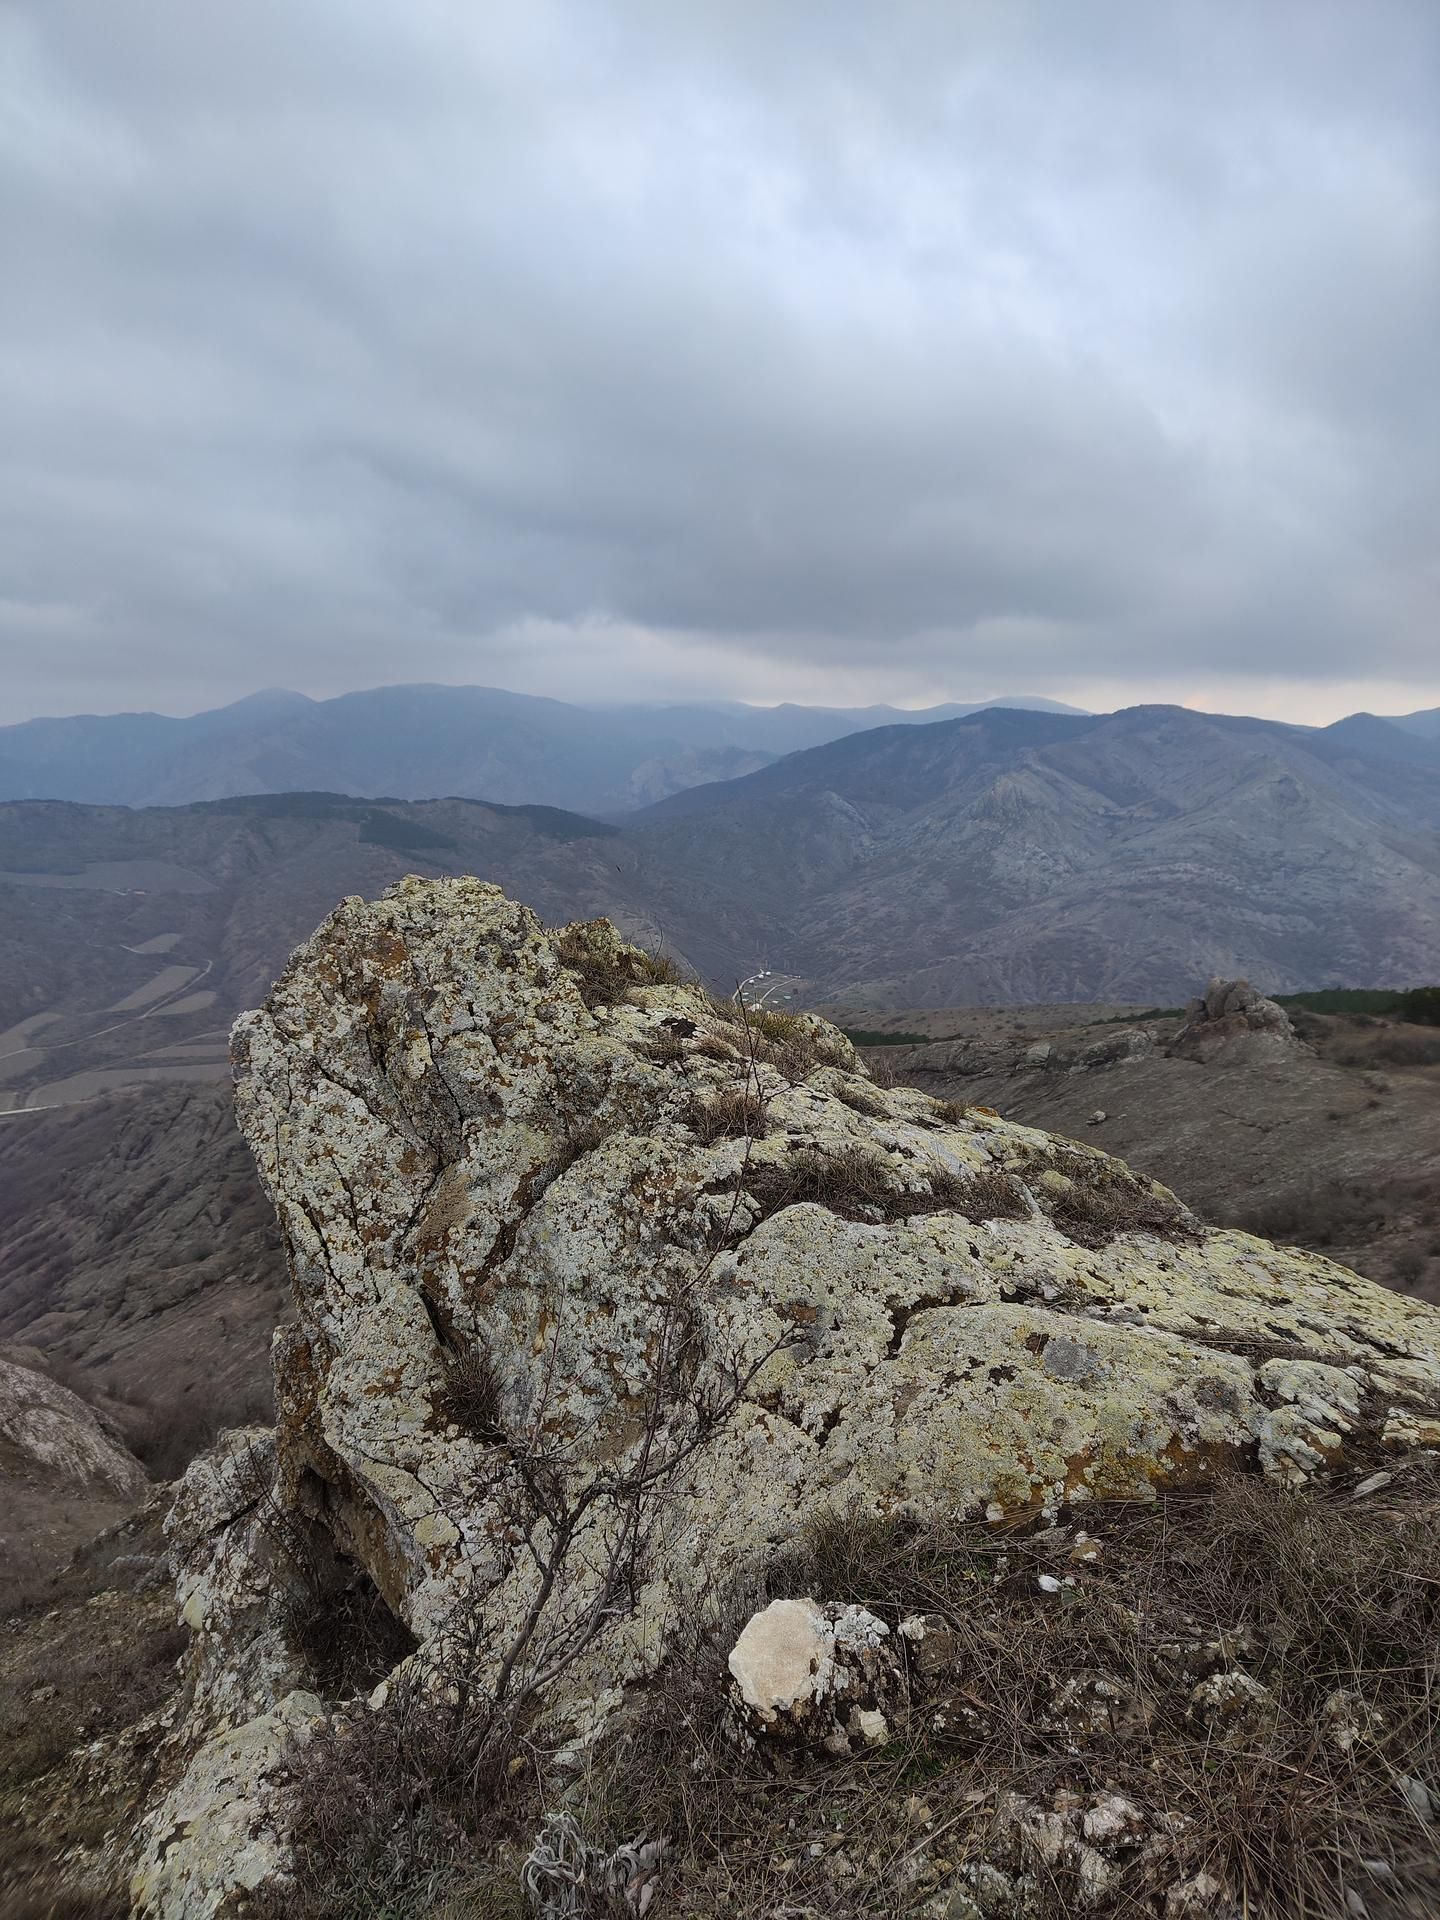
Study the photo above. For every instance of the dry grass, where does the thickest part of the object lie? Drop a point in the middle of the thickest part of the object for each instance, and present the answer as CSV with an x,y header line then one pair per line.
x,y
386,1823
1312,1596
735,1113
105,1682
42,1893
1104,1198
792,1043
861,1099
606,967
859,1184
1308,1595
344,1631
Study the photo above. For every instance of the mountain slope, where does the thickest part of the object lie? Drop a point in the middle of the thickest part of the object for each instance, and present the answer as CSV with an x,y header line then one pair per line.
x,y
1035,857
130,939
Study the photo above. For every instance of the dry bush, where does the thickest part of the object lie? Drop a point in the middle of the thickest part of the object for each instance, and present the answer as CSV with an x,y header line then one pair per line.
x,y
1308,1594
950,1113
387,1816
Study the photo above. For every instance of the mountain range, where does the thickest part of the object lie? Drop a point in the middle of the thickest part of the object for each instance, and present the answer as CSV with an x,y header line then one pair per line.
x,y
1000,857
418,741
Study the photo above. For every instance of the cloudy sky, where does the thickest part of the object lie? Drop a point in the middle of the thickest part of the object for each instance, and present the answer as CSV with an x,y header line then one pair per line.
x,y
760,348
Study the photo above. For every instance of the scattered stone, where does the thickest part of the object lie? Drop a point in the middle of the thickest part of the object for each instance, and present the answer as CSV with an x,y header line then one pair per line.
x,y
1227,1704
830,1678
1350,1720
1422,1802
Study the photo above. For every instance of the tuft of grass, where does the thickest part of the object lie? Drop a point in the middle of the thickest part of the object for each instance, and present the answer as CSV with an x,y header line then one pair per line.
x,y
735,1113
471,1399
861,1098
607,968
1102,1198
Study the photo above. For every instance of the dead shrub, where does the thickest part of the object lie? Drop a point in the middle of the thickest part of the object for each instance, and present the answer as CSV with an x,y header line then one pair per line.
x,y
388,1814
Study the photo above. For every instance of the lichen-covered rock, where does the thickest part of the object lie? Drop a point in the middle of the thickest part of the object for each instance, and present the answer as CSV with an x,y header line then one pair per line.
x,y
604,1290
220,1834
830,1678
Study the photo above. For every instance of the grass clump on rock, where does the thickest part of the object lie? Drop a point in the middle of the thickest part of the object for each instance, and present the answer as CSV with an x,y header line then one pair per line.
x,y
606,968
860,1184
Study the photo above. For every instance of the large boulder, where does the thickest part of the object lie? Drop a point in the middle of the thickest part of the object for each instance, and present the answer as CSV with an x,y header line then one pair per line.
x,y
604,1289
1231,1020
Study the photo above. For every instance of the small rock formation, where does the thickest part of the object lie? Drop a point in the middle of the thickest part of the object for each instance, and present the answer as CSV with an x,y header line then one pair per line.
x,y
1227,1011
827,1677
604,1290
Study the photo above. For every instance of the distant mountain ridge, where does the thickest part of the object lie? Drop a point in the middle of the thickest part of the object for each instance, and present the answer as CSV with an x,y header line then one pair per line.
x,y
997,858
417,742
1011,857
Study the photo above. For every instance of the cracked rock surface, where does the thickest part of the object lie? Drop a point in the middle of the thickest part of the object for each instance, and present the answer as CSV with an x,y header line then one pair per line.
x,y
541,1204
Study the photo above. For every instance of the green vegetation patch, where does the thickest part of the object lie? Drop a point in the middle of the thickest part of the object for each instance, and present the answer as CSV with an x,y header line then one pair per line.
x,y
868,1037
1343,1000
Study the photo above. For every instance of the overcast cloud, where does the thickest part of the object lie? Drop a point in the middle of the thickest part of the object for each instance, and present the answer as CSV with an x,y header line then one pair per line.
x,y
760,348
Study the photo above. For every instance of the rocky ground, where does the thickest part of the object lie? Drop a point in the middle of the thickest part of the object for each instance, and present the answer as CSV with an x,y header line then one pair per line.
x,y
1326,1136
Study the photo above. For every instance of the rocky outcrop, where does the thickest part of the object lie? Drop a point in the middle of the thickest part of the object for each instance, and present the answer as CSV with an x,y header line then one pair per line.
x,y
1230,1011
604,1290
49,1437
